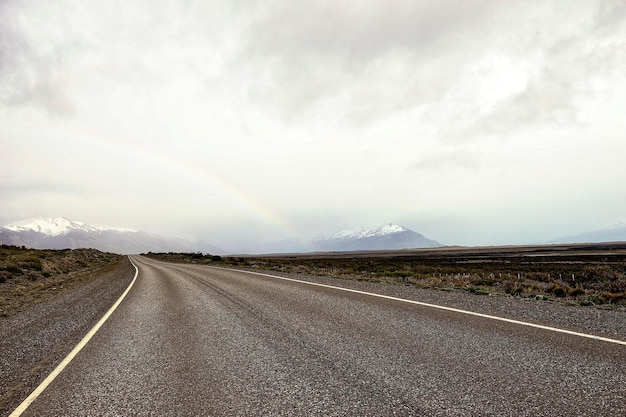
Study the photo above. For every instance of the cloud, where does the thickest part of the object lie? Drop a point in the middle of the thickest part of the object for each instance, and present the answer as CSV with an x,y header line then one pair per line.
x,y
549,100
490,67
33,71
47,91
552,78
22,188
610,17
446,160
325,113
356,32
363,58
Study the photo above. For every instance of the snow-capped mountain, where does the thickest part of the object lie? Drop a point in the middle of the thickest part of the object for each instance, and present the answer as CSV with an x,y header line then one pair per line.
x,y
364,232
387,236
60,226
614,232
62,233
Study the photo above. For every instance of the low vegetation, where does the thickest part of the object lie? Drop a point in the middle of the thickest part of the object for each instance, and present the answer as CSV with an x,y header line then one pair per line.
x,y
577,274
29,276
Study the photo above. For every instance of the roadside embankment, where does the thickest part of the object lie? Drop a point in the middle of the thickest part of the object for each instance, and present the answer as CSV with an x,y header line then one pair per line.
x,y
52,314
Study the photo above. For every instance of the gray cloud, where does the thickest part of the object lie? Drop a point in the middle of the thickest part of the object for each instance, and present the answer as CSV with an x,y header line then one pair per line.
x,y
310,55
563,68
360,32
610,16
48,91
548,100
32,74
379,59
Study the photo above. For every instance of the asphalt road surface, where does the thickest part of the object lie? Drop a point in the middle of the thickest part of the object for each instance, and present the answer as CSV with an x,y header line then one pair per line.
x,y
193,340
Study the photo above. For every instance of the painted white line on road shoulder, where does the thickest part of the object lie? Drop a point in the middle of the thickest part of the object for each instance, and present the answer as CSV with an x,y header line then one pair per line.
x,y
456,310
33,396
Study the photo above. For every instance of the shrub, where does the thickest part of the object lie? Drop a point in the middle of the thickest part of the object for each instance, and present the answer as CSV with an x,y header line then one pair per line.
x,y
559,290
477,289
595,273
613,298
32,262
14,269
576,291
540,276
485,281
615,286
512,287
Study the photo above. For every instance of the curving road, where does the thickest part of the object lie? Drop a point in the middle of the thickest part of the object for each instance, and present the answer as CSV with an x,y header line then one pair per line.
x,y
192,340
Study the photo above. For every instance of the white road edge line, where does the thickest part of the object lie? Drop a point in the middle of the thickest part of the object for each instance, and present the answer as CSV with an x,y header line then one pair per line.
x,y
33,396
456,310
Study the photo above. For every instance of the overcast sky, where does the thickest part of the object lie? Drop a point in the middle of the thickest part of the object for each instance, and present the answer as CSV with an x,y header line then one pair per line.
x,y
472,122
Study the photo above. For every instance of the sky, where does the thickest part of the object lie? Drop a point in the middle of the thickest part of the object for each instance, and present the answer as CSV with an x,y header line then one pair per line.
x,y
471,122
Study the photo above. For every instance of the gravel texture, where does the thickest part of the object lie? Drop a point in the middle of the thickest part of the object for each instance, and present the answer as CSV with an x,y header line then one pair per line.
x,y
190,340
34,341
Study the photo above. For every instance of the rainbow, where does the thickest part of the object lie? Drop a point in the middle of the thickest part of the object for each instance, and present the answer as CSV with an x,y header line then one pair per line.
x,y
194,172
240,196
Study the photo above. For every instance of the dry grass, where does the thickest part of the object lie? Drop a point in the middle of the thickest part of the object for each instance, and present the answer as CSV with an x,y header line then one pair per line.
x,y
29,276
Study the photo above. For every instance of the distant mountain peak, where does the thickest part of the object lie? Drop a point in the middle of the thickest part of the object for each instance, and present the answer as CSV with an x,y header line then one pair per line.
x,y
616,225
60,226
612,232
363,232
383,237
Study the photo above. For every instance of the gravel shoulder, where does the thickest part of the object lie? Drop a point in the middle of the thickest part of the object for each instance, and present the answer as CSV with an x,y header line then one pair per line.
x,y
36,339
596,321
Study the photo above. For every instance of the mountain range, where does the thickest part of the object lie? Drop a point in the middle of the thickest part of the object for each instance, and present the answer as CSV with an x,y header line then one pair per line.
x,y
62,233
615,232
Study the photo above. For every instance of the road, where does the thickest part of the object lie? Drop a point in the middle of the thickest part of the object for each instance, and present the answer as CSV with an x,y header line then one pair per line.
x,y
192,340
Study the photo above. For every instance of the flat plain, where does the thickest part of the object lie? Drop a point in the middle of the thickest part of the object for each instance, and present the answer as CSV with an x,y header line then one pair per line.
x,y
579,274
